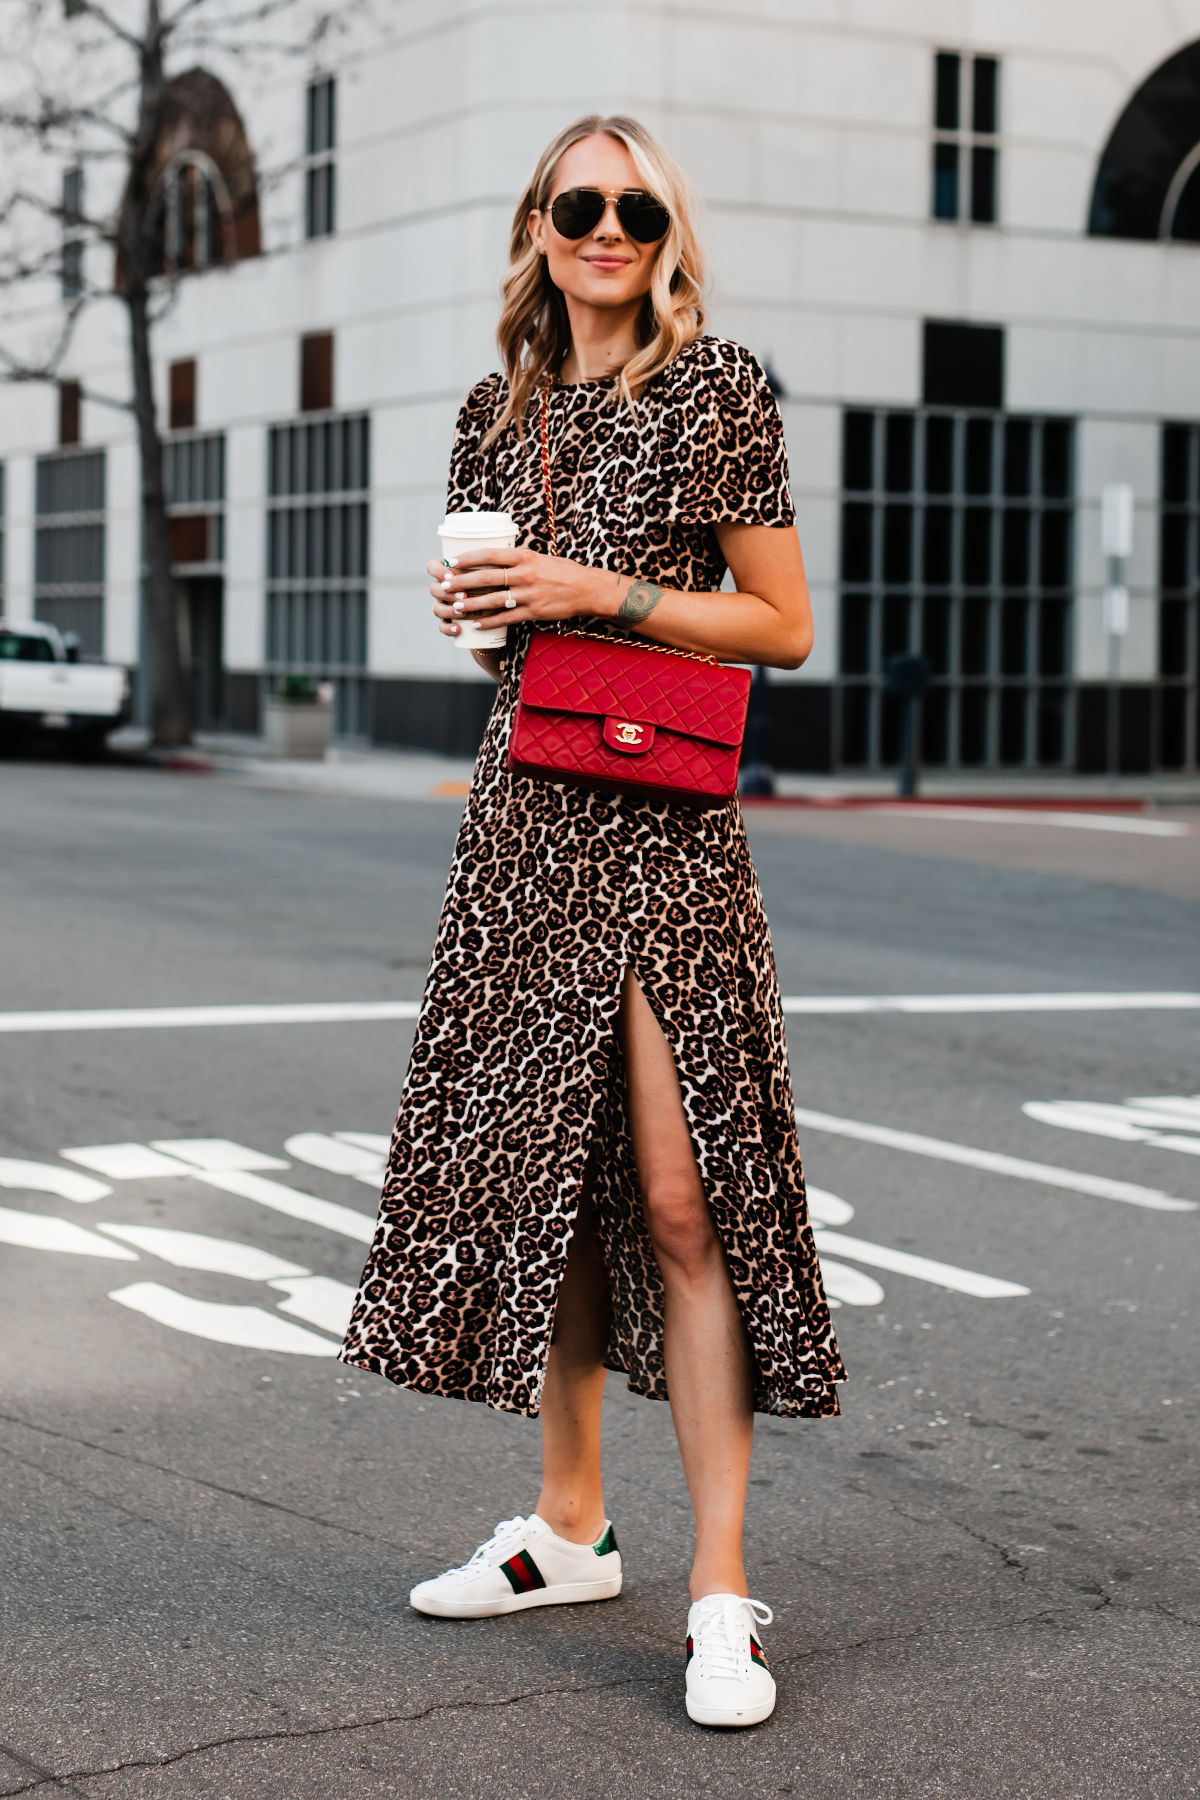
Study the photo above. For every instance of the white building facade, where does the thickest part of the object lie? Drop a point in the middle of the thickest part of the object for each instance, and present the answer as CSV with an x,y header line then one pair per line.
x,y
965,238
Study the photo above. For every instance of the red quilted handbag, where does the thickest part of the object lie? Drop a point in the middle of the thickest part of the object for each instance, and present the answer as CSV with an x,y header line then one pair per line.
x,y
642,718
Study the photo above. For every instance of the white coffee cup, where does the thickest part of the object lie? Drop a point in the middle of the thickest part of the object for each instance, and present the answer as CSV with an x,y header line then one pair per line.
x,y
475,531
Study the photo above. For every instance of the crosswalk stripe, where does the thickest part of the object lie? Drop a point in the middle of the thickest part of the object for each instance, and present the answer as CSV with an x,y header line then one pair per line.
x,y
921,1268
995,1162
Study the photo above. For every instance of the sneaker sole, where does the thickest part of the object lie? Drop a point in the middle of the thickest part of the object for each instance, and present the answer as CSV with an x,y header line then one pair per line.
x,y
728,1716
569,1593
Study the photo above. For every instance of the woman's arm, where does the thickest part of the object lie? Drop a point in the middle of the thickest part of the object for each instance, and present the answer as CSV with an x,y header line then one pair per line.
x,y
768,620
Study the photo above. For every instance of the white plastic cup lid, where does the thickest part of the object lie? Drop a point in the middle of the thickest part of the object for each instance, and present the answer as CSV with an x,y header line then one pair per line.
x,y
476,524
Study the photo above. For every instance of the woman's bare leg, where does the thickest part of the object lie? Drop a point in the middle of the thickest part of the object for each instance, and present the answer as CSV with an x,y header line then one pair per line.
x,y
572,1496
707,1355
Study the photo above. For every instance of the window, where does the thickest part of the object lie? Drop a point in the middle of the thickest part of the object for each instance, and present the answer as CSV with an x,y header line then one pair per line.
x,y
1147,185
68,557
966,122
316,372
956,541
194,477
70,399
72,243
318,518
182,395
320,142
963,365
1179,583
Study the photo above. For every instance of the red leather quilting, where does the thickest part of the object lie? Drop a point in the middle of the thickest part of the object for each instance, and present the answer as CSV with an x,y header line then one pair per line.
x,y
571,747
602,676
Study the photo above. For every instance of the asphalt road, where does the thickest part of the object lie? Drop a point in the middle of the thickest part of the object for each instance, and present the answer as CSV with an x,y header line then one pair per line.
x,y
984,1575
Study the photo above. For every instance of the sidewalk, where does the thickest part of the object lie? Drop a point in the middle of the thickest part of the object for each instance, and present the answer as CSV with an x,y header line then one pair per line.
x,y
374,772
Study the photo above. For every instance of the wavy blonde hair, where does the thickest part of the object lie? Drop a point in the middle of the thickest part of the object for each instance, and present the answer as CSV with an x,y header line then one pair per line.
x,y
534,333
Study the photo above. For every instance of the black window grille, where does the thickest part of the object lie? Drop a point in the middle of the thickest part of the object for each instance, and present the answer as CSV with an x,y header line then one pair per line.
x,y
68,556
320,143
957,531
318,529
966,123
1179,585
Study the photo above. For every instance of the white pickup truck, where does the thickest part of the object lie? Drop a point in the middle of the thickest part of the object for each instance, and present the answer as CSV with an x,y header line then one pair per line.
x,y
43,689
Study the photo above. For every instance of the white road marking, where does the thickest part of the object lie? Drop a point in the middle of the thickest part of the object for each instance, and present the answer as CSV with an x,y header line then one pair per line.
x,y
216,1153
1182,1107
989,1003
359,1012
191,1250
921,1268
996,1163
140,1018
1132,1124
291,1201
319,1300
850,1285
34,1231
825,1208
1003,815
340,1158
366,1140
48,1178
248,1326
125,1162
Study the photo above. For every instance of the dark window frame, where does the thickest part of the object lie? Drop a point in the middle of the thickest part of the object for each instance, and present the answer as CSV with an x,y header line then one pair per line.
x,y
966,124
70,550
978,574
320,158
1176,729
317,558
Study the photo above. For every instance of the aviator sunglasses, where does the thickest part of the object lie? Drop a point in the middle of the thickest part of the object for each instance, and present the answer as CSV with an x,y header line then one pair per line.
x,y
580,210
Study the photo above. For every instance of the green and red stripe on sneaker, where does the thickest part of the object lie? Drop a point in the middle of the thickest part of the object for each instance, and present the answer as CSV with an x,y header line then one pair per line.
x,y
523,1573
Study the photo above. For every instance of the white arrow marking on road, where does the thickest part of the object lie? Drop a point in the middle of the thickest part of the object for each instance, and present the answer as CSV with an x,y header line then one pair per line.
x,y
825,1208
319,1300
995,1162
850,1285
216,1153
989,1003
921,1268
125,1162
339,1158
1134,1123
366,1140
1182,1107
34,1231
248,1326
48,1178
191,1250
360,1012
292,1202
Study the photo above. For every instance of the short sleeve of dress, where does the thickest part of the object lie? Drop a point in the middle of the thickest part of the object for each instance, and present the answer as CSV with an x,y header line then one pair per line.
x,y
721,454
466,489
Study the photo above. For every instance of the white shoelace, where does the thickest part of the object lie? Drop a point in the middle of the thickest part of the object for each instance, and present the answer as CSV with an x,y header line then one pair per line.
x,y
718,1645
503,1535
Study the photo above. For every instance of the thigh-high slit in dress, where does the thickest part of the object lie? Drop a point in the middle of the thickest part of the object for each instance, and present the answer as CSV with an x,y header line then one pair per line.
x,y
516,1074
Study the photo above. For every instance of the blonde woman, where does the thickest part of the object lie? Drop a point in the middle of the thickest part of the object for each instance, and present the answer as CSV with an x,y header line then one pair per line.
x,y
595,1163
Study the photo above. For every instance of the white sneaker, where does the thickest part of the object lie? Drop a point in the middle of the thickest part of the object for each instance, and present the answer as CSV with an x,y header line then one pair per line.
x,y
523,1564
728,1681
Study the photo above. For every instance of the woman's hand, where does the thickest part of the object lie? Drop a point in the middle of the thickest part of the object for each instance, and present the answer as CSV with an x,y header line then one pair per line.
x,y
519,587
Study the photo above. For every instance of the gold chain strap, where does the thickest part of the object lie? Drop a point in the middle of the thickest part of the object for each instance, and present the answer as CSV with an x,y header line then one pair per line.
x,y
560,628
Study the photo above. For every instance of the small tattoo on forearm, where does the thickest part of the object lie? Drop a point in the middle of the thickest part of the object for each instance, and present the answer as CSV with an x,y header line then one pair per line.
x,y
639,603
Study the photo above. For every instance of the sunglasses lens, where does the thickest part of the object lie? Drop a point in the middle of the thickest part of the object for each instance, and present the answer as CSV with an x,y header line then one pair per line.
x,y
643,217
577,212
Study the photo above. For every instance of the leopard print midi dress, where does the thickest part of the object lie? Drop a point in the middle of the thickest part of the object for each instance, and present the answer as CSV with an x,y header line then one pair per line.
x,y
516,1073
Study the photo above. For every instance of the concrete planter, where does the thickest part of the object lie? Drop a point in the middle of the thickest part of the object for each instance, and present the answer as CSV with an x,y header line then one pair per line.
x,y
298,729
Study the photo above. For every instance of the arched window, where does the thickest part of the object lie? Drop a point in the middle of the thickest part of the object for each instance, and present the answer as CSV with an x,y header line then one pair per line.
x,y
1148,182
203,180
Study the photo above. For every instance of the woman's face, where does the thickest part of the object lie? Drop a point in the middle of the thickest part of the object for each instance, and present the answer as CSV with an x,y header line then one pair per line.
x,y
606,268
